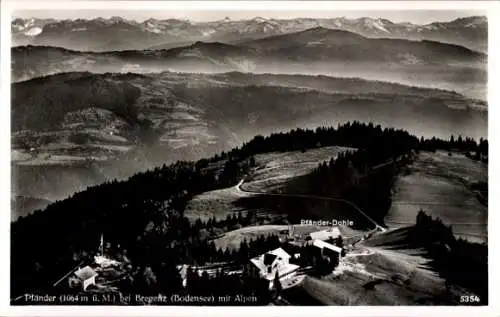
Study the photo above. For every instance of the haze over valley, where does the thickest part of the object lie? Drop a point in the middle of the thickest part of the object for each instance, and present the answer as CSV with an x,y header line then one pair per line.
x,y
67,127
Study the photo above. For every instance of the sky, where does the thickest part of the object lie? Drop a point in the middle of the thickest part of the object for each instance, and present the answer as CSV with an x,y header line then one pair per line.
x,y
413,16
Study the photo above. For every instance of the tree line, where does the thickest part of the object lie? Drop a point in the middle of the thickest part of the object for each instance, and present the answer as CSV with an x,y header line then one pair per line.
x,y
457,260
477,150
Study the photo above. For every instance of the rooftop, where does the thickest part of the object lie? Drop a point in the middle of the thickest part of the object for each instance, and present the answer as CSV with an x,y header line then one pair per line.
x,y
280,253
332,233
104,261
322,244
268,258
85,273
283,269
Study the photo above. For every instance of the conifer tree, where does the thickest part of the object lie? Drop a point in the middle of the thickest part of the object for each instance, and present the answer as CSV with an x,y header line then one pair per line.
x,y
277,284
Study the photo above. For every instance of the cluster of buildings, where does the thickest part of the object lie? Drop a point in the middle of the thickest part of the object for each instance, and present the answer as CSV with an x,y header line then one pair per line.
x,y
277,262
85,277
267,265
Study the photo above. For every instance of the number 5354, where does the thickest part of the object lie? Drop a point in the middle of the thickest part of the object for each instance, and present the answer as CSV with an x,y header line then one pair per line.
x,y
469,299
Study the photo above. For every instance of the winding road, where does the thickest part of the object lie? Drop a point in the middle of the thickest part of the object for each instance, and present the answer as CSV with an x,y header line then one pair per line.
x,y
238,189
351,204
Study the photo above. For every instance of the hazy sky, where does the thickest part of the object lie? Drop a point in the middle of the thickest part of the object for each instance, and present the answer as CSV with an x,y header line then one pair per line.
x,y
413,16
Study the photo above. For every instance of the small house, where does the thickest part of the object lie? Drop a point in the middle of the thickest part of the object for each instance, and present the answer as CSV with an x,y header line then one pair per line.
x,y
274,262
83,277
105,262
328,249
324,235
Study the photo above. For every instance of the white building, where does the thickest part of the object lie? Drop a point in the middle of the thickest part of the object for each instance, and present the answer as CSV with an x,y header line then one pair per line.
x,y
83,277
274,262
105,262
332,233
102,260
328,247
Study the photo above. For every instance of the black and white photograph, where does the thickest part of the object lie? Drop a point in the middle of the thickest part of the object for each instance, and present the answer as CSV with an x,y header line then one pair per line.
x,y
252,157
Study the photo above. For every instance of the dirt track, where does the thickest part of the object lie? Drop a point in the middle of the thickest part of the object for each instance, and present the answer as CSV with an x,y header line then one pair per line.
x,y
351,204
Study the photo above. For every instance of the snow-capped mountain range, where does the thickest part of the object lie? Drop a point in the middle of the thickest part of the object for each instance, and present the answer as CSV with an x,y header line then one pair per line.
x,y
117,33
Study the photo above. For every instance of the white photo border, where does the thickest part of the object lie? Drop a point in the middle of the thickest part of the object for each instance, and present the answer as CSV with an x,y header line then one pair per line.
x,y
493,12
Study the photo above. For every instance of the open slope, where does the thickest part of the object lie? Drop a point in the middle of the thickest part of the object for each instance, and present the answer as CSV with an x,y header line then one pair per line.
x,y
398,279
264,196
441,185
270,172
381,270
275,170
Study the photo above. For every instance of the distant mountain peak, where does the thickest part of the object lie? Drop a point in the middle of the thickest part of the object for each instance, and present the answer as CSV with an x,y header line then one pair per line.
x,y
99,19
259,19
460,22
117,19
472,21
377,24
18,21
386,21
475,18
122,34
33,31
